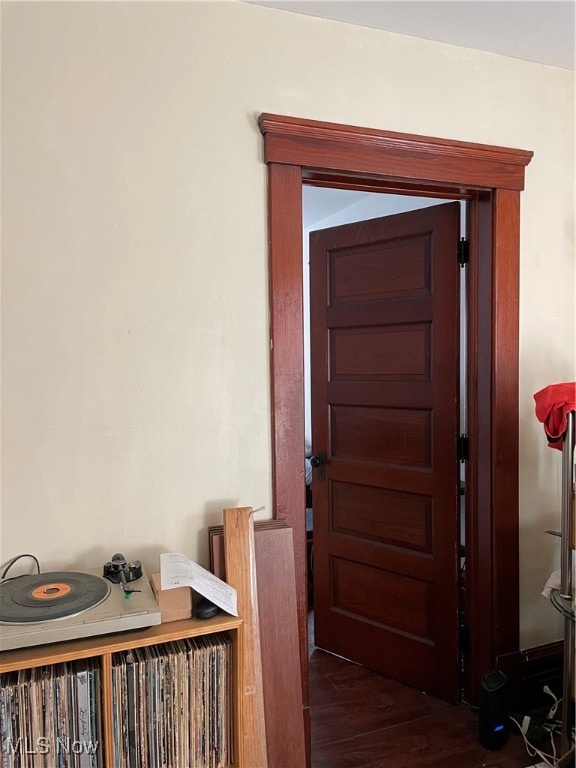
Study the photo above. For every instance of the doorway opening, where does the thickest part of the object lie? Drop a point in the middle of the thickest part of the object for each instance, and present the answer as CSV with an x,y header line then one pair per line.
x,y
387,333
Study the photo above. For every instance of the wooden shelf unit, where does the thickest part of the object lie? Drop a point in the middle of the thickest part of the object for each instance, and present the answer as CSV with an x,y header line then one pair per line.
x,y
104,646
249,733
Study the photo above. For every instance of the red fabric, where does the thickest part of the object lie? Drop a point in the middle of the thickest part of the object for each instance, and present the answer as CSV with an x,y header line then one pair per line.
x,y
553,404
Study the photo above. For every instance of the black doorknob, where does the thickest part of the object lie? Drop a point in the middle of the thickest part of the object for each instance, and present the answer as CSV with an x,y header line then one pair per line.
x,y
318,460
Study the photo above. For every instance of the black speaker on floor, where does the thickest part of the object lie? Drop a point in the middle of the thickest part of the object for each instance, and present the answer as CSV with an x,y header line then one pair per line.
x,y
494,715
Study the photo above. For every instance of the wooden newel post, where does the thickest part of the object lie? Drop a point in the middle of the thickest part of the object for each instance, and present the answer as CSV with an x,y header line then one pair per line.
x,y
241,574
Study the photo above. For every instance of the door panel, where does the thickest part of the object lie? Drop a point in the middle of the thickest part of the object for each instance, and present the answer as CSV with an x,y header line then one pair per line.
x,y
384,365
394,599
398,268
381,353
381,435
382,515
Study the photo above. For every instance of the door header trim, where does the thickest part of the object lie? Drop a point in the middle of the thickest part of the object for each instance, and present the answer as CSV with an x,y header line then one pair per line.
x,y
391,155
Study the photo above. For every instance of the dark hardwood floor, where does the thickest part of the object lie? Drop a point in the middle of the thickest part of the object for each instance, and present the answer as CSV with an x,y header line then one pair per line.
x,y
363,720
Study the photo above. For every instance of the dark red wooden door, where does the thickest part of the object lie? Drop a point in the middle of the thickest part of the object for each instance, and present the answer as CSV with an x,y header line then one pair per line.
x,y
385,371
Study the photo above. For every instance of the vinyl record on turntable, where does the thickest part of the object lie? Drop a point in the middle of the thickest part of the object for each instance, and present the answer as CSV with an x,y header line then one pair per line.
x,y
47,596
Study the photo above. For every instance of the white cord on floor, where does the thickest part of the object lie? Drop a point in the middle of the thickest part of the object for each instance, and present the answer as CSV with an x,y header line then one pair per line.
x,y
554,707
533,751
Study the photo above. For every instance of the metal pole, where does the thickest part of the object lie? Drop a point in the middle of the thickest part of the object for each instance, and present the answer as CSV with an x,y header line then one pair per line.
x,y
566,579
567,682
566,586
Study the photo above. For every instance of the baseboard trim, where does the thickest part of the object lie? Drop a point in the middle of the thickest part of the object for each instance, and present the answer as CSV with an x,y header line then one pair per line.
x,y
529,671
540,666
543,653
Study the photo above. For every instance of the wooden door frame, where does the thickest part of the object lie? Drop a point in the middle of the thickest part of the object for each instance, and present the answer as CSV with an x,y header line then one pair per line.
x,y
301,151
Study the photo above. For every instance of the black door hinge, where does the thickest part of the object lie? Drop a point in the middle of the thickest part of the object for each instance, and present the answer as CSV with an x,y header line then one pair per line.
x,y
463,448
463,252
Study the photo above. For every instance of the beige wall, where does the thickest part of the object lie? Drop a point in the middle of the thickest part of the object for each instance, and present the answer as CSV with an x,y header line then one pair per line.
x,y
135,316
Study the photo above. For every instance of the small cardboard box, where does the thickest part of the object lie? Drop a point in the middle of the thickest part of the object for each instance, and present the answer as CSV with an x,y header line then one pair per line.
x,y
174,603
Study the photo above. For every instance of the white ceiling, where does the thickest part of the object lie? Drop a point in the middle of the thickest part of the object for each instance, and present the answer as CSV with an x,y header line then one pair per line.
x,y
542,31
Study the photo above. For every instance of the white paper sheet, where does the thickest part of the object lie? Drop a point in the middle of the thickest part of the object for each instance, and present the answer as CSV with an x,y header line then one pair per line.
x,y
179,571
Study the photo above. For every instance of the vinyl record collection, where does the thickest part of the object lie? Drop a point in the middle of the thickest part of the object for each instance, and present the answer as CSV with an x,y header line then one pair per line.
x,y
172,708
50,717
172,704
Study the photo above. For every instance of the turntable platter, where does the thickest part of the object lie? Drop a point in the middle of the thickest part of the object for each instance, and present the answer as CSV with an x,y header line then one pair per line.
x,y
47,596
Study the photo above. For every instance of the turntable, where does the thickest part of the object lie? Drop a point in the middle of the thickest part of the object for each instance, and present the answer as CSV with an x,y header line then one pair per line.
x,y
67,605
